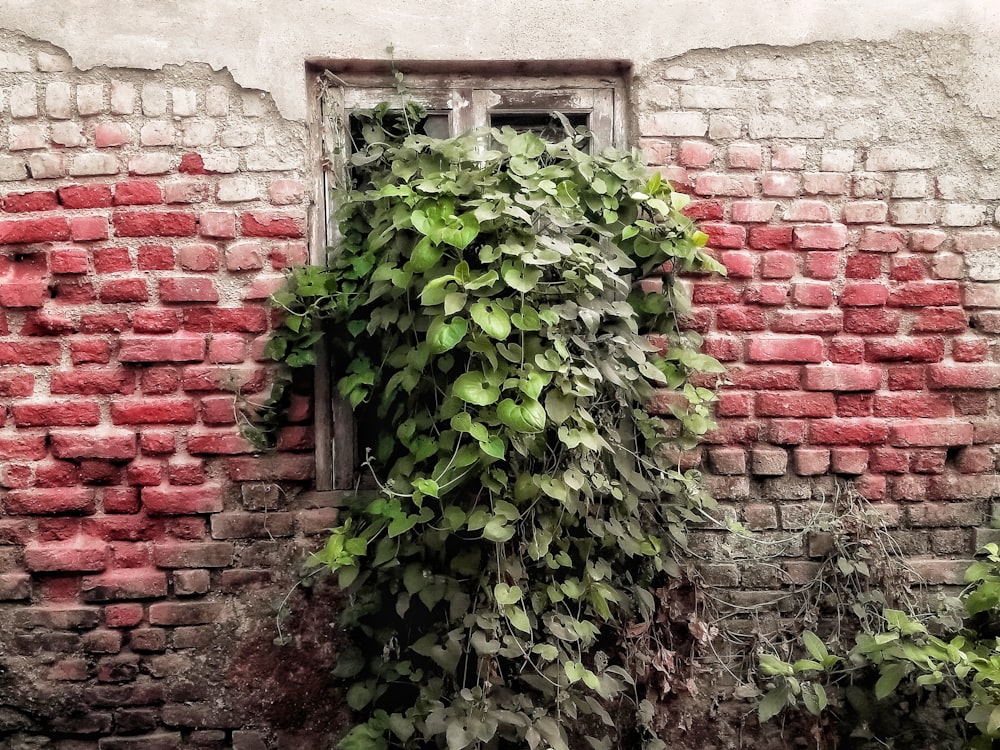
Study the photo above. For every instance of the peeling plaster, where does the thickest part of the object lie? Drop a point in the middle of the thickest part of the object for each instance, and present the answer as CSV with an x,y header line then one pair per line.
x,y
265,47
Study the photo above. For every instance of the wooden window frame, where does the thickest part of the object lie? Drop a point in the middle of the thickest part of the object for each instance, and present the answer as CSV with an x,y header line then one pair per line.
x,y
597,89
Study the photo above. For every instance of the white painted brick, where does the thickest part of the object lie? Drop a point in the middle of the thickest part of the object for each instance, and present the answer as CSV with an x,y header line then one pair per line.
x,y
185,102
236,189
869,185
660,96
713,97
68,134
24,100
122,98
963,215
59,100
196,133
914,212
47,166
897,159
217,101
157,133
983,265
254,103
724,127
678,73
84,165
154,100
240,135
223,162
860,130
988,189
151,163
837,160
26,137
677,124
90,99
910,185
788,157
953,188
15,62
267,160
12,168
782,126
53,63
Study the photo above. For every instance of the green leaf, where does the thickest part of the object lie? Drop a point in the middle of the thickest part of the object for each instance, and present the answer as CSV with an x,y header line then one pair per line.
x,y
505,594
442,335
892,673
526,417
772,704
492,318
815,646
518,618
425,255
475,388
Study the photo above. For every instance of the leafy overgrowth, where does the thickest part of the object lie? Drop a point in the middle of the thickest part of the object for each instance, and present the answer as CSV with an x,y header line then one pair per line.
x,y
901,653
500,308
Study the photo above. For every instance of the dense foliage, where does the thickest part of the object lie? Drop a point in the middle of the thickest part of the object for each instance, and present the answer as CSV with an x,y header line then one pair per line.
x,y
500,307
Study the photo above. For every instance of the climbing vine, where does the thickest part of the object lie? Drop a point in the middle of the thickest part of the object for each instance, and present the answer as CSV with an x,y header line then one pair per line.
x,y
500,308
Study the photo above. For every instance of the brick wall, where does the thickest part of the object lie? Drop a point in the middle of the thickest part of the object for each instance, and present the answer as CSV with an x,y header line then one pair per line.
x,y
146,217
855,208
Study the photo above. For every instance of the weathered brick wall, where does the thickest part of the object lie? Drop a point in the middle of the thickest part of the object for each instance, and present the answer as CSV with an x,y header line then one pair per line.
x,y
854,205
146,217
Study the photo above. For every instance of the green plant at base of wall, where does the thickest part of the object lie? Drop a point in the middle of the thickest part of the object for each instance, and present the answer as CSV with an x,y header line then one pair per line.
x,y
961,663
500,309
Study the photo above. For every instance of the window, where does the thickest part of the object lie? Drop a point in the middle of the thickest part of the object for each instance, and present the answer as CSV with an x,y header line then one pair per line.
x,y
588,94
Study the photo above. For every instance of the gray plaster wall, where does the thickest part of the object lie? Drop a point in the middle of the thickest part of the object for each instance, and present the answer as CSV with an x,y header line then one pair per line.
x,y
264,44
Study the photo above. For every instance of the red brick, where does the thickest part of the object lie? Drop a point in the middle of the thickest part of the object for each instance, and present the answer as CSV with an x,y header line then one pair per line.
x,y
926,294
74,293
112,260
79,554
719,235
871,320
90,382
53,500
964,487
69,260
771,238
88,228
810,211
689,154
849,460
705,184
912,405
227,349
860,431
186,473
153,411
882,240
41,323
854,404
245,379
25,293
908,268
738,318
889,460
218,442
812,294
123,290
864,266
924,349
155,258
928,433
830,377
185,191
178,348
289,254
964,376
188,289
767,294
160,380
156,320
137,193
795,405
977,460
778,265
120,500
969,350
192,164
228,320
928,461
866,212
118,585
104,443
39,200
123,615
811,462
824,183
753,211
786,349
780,184
863,293
56,413
182,500
106,322
705,293
143,473
21,446
807,321
108,134
219,410
820,236
927,241
14,385
154,224
199,257
220,225
85,196
699,210
765,378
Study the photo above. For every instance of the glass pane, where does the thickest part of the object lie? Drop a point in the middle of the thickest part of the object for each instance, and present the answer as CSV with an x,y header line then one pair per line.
x,y
543,124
